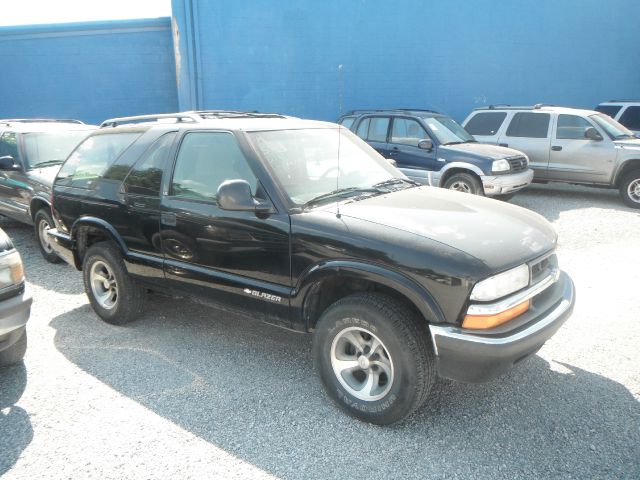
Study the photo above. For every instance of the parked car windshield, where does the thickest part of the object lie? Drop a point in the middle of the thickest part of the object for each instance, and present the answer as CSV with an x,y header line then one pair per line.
x,y
448,131
44,149
615,130
310,163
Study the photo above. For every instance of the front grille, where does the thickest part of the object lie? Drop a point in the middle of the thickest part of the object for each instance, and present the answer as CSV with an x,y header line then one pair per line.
x,y
518,164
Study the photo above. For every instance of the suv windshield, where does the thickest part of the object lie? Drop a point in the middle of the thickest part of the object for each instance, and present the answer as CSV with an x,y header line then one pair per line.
x,y
312,163
615,130
50,148
447,130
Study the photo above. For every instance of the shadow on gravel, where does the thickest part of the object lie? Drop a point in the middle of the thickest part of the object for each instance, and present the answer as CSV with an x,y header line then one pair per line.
x,y
251,390
568,197
16,432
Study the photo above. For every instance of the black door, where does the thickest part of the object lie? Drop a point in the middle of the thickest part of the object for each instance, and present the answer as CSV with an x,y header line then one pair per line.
x,y
232,257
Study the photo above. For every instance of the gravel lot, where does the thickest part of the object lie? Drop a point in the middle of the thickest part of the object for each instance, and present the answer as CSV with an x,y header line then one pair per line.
x,y
191,392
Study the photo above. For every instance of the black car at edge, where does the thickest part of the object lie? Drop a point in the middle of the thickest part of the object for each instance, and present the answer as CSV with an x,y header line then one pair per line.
x,y
307,227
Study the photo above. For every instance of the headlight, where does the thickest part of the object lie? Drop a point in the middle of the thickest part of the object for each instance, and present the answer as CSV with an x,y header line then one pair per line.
x,y
500,166
11,271
502,284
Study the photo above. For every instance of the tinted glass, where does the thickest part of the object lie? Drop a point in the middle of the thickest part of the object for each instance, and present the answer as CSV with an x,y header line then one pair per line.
x,y
205,160
611,110
146,176
9,146
363,129
631,118
485,123
528,124
93,157
407,132
378,129
347,121
50,148
571,127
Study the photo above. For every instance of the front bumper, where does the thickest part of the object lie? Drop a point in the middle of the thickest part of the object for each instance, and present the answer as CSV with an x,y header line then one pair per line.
x,y
473,356
505,184
14,314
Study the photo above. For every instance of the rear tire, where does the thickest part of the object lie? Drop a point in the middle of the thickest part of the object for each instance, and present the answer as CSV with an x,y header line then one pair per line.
x,y
464,182
115,296
43,222
374,357
15,353
630,189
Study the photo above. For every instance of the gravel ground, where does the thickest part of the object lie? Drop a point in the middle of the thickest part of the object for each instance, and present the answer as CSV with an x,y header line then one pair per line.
x,y
191,392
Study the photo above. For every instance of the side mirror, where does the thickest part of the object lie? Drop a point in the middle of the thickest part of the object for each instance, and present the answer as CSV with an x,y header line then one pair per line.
x,y
592,134
425,144
392,162
235,195
8,163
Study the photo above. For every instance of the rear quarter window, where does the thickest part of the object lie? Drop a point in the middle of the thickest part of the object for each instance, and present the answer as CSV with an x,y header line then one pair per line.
x,y
631,118
93,157
485,123
611,110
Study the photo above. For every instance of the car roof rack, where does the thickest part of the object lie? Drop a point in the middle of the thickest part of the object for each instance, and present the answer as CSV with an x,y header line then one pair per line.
x,y
40,120
178,117
506,106
192,116
375,110
630,100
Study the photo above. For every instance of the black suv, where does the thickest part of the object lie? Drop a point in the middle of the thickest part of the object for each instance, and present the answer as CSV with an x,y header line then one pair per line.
x,y
305,226
31,152
431,148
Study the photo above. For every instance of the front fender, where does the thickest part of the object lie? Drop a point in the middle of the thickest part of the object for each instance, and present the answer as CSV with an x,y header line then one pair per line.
x,y
392,279
438,176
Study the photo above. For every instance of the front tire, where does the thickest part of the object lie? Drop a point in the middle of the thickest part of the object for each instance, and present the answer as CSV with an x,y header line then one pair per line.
x,y
374,358
115,296
43,222
464,182
630,189
15,353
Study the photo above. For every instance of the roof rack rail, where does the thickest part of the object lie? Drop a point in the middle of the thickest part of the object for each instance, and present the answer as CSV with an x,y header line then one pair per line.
x,y
626,100
179,117
40,120
207,114
506,106
373,110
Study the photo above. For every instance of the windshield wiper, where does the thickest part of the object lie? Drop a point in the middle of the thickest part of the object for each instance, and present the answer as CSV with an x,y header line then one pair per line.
x,y
396,181
453,143
343,191
624,135
48,163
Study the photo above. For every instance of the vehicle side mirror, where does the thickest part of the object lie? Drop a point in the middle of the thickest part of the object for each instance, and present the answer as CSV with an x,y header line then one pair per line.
x,y
8,163
592,134
236,196
392,162
425,144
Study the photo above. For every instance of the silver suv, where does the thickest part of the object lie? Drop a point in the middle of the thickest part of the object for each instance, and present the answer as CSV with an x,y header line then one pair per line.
x,y
565,145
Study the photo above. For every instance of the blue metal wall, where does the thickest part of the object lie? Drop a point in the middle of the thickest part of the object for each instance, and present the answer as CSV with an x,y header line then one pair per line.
x,y
90,71
315,58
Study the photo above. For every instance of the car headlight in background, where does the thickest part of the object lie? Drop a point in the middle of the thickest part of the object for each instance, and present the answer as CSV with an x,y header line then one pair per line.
x,y
500,166
502,284
11,270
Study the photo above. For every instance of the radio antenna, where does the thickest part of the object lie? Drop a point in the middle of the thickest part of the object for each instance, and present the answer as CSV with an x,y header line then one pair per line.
x,y
338,174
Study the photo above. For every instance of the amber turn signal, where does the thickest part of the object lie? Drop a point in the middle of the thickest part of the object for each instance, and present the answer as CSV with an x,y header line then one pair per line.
x,y
481,322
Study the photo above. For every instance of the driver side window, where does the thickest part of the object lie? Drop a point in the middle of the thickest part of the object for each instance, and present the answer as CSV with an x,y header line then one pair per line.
x,y
407,132
205,160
